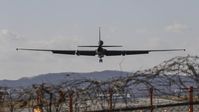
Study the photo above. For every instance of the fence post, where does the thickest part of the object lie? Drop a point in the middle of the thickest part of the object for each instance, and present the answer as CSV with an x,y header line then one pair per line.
x,y
70,101
191,99
51,98
110,100
151,98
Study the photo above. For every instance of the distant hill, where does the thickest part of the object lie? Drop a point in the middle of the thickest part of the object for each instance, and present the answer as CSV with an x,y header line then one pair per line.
x,y
173,76
177,72
57,78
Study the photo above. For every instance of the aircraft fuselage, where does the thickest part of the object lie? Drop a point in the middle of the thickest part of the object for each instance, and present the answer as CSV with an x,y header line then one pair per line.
x,y
100,52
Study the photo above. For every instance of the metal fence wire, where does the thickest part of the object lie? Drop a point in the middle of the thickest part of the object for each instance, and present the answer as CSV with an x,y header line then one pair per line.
x,y
172,86
182,100
102,99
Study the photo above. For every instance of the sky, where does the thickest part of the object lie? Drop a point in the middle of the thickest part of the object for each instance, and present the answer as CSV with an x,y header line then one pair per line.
x,y
65,24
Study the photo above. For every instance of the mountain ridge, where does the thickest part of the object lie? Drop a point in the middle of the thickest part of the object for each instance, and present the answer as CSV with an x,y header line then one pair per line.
x,y
57,78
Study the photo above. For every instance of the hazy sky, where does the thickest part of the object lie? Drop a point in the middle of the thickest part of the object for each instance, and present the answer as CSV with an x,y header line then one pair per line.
x,y
64,24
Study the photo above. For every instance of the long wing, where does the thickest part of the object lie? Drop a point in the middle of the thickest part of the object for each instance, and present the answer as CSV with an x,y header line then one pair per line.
x,y
68,52
135,52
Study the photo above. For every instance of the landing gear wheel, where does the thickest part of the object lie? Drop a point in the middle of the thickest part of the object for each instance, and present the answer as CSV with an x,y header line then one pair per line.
x,y
100,60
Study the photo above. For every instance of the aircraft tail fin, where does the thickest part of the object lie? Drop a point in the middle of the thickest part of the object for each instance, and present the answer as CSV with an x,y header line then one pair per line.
x,y
99,34
101,42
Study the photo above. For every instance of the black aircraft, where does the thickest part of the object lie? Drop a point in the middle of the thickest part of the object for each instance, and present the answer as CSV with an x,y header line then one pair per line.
x,y
101,51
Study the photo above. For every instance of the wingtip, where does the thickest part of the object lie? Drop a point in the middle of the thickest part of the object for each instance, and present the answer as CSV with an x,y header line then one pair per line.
x,y
17,49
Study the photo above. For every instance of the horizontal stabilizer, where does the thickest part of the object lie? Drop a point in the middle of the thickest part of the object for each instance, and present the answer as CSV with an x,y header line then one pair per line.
x,y
112,46
103,46
88,46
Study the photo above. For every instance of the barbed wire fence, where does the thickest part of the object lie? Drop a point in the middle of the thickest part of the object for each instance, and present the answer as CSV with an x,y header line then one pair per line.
x,y
169,87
